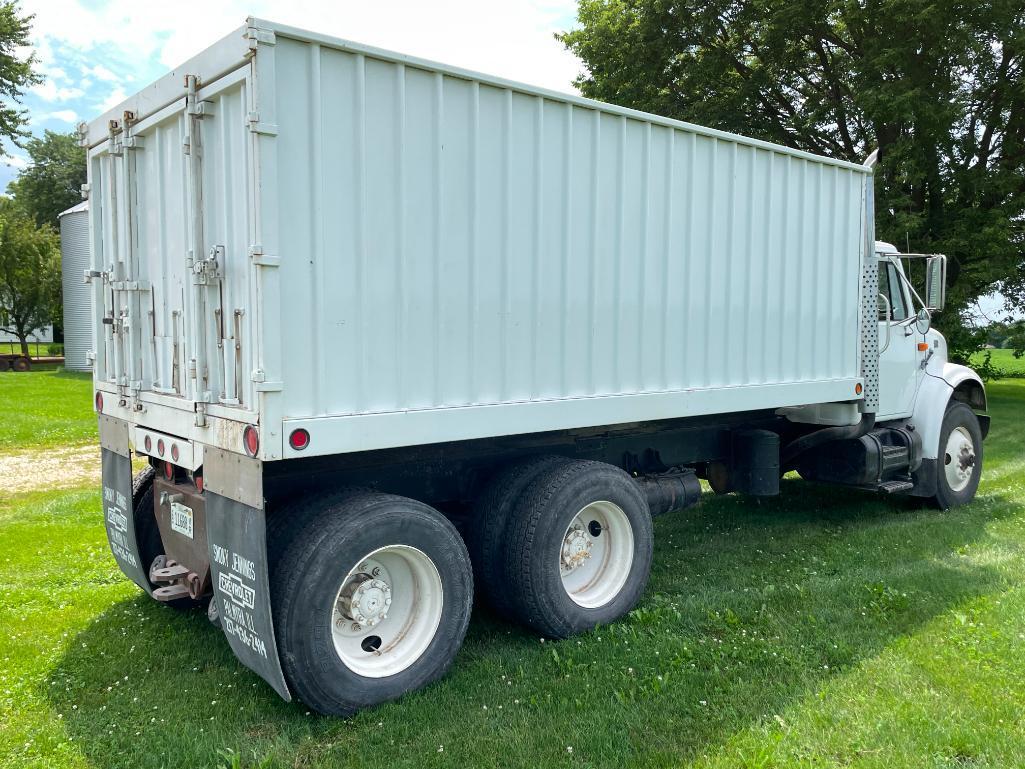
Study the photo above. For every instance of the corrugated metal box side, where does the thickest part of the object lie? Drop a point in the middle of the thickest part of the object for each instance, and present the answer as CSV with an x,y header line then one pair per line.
x,y
449,243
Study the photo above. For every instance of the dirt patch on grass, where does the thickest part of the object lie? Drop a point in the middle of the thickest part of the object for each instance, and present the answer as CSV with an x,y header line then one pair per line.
x,y
47,469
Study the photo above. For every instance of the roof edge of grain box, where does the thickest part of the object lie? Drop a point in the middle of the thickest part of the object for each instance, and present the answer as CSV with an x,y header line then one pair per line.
x,y
386,251
76,298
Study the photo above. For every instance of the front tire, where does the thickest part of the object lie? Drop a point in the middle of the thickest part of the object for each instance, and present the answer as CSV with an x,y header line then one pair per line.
x,y
371,600
959,461
578,549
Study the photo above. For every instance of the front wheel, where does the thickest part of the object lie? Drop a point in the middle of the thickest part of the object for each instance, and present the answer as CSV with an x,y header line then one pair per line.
x,y
959,462
371,600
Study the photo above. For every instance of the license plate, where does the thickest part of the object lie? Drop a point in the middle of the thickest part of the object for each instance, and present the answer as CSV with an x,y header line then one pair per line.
x,y
181,519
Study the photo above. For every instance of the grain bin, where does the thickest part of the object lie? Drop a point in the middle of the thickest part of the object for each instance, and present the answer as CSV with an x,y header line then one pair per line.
x,y
74,228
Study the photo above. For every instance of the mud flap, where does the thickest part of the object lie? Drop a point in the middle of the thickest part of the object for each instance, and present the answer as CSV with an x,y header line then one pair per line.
x,y
237,538
116,462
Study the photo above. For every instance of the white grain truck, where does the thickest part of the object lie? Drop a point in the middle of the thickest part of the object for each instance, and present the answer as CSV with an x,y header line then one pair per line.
x,y
357,309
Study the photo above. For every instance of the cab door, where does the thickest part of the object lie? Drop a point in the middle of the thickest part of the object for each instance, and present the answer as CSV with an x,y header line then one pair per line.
x,y
899,356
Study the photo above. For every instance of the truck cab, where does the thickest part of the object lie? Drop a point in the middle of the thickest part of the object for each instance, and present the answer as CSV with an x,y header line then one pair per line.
x,y
917,382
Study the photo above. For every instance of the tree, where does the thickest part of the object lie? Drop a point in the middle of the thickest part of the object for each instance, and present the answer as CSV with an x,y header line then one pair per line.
x,y
30,274
53,180
935,85
16,71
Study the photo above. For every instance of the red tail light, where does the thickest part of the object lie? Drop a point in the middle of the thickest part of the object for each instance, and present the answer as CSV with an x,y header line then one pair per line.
x,y
251,440
299,439
168,471
99,402
147,443
198,480
174,452
160,447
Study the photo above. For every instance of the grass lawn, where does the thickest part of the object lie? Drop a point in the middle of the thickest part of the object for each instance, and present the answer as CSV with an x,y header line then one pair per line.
x,y
820,628
41,409
1003,361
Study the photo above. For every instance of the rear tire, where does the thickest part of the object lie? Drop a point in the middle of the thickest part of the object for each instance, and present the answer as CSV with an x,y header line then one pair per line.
x,y
578,549
21,364
959,461
371,600
489,524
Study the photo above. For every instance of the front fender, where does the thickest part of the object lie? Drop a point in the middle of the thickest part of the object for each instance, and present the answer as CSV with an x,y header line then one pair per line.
x,y
934,393
941,383
967,385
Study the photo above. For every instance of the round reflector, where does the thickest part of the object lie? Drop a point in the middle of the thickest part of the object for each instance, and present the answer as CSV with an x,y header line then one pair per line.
x,y
299,439
198,480
160,447
99,402
147,443
174,452
251,440
168,471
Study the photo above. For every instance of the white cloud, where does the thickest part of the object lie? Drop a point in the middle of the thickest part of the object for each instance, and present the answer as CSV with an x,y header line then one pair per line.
x,y
53,73
115,97
49,91
16,161
102,73
63,115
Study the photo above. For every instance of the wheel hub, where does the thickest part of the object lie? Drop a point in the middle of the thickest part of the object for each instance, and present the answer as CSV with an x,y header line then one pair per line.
x,y
959,459
365,600
966,460
576,548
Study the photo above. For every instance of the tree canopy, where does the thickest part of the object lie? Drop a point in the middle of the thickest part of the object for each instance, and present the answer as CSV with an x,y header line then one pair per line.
x,y
935,85
30,274
16,71
53,180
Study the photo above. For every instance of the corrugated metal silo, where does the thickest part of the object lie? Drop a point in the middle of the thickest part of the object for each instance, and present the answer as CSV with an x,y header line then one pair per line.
x,y
74,225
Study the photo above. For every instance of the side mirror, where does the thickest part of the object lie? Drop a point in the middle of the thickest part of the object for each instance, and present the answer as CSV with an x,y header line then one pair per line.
x,y
923,321
936,282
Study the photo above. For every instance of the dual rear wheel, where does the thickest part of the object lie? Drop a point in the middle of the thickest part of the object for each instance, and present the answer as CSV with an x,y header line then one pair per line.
x,y
372,592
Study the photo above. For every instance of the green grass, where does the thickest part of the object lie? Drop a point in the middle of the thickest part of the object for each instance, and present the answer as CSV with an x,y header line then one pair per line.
x,y
1003,361
44,409
822,628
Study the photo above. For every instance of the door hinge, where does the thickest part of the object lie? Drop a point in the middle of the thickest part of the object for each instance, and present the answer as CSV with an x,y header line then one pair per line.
x,y
257,37
259,378
258,127
130,285
264,260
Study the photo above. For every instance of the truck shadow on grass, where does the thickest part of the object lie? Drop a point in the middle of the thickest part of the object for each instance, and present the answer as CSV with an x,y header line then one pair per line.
x,y
753,606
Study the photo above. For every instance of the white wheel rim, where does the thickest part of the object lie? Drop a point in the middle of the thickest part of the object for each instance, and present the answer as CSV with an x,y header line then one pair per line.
x,y
596,554
959,459
387,611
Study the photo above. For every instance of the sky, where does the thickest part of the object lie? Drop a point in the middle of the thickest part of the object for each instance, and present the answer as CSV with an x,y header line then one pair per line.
x,y
94,53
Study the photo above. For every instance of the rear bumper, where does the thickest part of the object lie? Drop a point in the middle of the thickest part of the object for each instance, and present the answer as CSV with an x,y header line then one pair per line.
x,y
173,416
